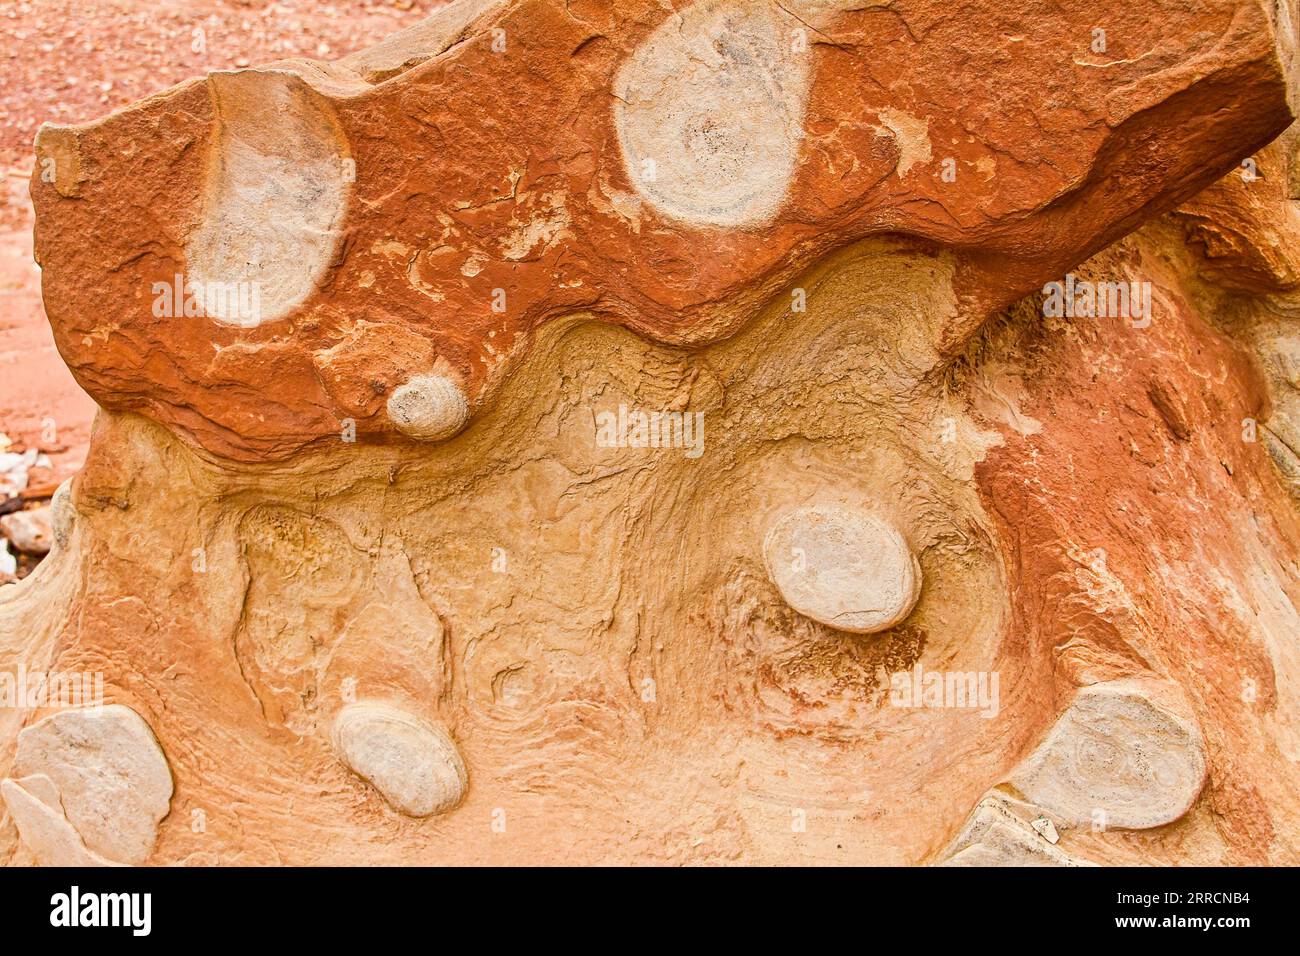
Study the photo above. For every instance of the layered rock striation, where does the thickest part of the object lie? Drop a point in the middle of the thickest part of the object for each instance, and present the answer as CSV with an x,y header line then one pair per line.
x,y
819,432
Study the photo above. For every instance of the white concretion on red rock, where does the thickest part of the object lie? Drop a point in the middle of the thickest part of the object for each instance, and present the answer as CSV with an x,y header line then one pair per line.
x,y
275,197
710,112
811,222
428,408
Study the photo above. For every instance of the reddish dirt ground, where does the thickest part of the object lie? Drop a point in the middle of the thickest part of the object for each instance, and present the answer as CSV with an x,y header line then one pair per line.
x,y
67,61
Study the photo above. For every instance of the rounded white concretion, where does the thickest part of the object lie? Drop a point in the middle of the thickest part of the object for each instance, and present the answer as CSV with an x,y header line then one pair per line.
x,y
428,408
1117,756
843,567
113,783
1286,40
414,765
62,514
275,196
710,111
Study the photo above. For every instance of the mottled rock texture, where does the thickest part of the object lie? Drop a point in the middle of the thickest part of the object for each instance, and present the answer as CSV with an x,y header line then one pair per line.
x,y
882,560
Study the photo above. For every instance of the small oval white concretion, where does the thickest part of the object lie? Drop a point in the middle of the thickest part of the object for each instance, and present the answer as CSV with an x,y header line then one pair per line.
x,y
845,568
414,765
428,408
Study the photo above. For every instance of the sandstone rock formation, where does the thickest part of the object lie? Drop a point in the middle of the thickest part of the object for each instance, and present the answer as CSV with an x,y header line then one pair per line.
x,y
750,432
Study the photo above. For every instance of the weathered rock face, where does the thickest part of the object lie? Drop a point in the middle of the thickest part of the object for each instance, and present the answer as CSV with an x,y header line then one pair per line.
x,y
587,432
